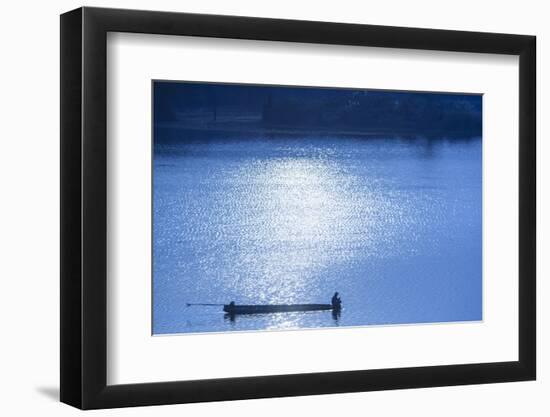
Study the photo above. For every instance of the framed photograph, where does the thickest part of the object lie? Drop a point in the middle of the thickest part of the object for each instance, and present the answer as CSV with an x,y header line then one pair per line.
x,y
257,208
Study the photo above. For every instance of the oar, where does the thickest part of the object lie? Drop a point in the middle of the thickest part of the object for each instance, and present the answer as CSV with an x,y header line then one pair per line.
x,y
204,304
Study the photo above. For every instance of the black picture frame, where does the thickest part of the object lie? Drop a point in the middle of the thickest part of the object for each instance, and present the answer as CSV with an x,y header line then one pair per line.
x,y
84,207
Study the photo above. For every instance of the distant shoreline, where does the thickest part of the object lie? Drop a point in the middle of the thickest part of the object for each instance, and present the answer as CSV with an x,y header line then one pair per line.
x,y
258,128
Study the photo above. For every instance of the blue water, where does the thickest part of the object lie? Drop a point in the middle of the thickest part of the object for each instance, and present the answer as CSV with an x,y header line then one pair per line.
x,y
394,225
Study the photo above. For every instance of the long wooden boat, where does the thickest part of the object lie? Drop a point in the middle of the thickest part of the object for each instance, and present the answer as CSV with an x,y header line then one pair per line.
x,y
276,308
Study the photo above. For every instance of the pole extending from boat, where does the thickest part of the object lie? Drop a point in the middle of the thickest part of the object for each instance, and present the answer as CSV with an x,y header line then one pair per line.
x,y
205,304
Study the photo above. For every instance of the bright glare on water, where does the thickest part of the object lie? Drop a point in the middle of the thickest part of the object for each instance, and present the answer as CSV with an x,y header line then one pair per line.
x,y
393,225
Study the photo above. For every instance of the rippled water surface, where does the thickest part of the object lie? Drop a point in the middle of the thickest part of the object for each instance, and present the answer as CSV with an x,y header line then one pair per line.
x,y
392,224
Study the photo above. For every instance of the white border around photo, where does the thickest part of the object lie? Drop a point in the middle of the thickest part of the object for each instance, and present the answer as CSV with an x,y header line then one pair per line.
x,y
135,356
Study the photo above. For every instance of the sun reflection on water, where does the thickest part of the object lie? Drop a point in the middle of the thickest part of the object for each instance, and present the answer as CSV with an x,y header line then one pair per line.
x,y
305,215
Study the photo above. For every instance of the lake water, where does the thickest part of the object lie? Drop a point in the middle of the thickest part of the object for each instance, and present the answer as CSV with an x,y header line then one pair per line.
x,y
394,225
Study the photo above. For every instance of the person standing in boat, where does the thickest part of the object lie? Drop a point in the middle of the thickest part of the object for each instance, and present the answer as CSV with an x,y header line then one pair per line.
x,y
336,302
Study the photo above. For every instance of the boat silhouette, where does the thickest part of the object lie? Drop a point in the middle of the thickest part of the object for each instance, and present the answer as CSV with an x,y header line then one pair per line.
x,y
233,308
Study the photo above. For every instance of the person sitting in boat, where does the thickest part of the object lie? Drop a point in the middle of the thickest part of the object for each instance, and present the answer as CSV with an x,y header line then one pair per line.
x,y
336,302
